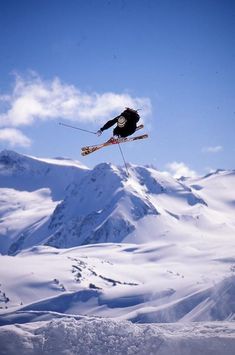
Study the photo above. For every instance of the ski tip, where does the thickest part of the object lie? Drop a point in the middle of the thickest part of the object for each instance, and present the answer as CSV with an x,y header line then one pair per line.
x,y
84,148
140,137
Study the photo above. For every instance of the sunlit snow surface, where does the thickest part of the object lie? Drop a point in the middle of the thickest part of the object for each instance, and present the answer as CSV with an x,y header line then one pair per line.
x,y
93,243
155,282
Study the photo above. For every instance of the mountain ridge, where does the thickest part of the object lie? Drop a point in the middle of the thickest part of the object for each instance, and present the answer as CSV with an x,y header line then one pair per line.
x,y
104,205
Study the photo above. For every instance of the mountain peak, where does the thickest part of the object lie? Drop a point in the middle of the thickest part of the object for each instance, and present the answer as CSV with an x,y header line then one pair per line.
x,y
9,155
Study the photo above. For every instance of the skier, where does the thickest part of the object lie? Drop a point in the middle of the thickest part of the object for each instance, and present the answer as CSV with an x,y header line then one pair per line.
x,y
126,124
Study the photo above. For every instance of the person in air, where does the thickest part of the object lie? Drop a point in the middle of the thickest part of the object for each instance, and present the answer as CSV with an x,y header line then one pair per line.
x,y
126,124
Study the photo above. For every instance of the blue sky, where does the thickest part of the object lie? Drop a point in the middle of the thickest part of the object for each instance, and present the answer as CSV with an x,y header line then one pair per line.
x,y
175,59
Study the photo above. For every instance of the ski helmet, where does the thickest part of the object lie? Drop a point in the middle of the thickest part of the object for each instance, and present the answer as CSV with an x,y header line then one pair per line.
x,y
121,121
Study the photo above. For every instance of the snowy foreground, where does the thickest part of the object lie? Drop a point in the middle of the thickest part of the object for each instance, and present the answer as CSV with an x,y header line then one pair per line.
x,y
69,336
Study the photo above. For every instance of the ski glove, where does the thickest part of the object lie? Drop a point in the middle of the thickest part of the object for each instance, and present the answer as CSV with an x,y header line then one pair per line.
x,y
99,132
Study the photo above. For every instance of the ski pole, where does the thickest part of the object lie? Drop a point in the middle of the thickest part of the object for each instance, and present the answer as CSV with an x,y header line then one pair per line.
x,y
80,129
127,172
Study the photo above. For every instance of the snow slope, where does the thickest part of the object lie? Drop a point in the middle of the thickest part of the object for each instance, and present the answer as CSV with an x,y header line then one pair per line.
x,y
154,282
25,173
30,189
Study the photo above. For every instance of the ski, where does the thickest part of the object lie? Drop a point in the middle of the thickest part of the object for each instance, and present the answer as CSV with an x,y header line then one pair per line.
x,y
93,148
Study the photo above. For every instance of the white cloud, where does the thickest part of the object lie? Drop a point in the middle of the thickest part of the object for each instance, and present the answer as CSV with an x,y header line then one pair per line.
x,y
179,169
216,149
35,99
14,137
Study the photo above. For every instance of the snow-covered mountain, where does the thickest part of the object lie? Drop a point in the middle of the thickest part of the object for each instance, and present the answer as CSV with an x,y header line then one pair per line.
x,y
30,189
71,205
94,242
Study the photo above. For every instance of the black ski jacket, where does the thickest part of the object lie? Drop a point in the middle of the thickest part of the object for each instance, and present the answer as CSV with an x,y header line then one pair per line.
x,y
131,116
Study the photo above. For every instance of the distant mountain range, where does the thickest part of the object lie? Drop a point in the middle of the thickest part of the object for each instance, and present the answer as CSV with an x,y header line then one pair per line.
x,y
63,204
